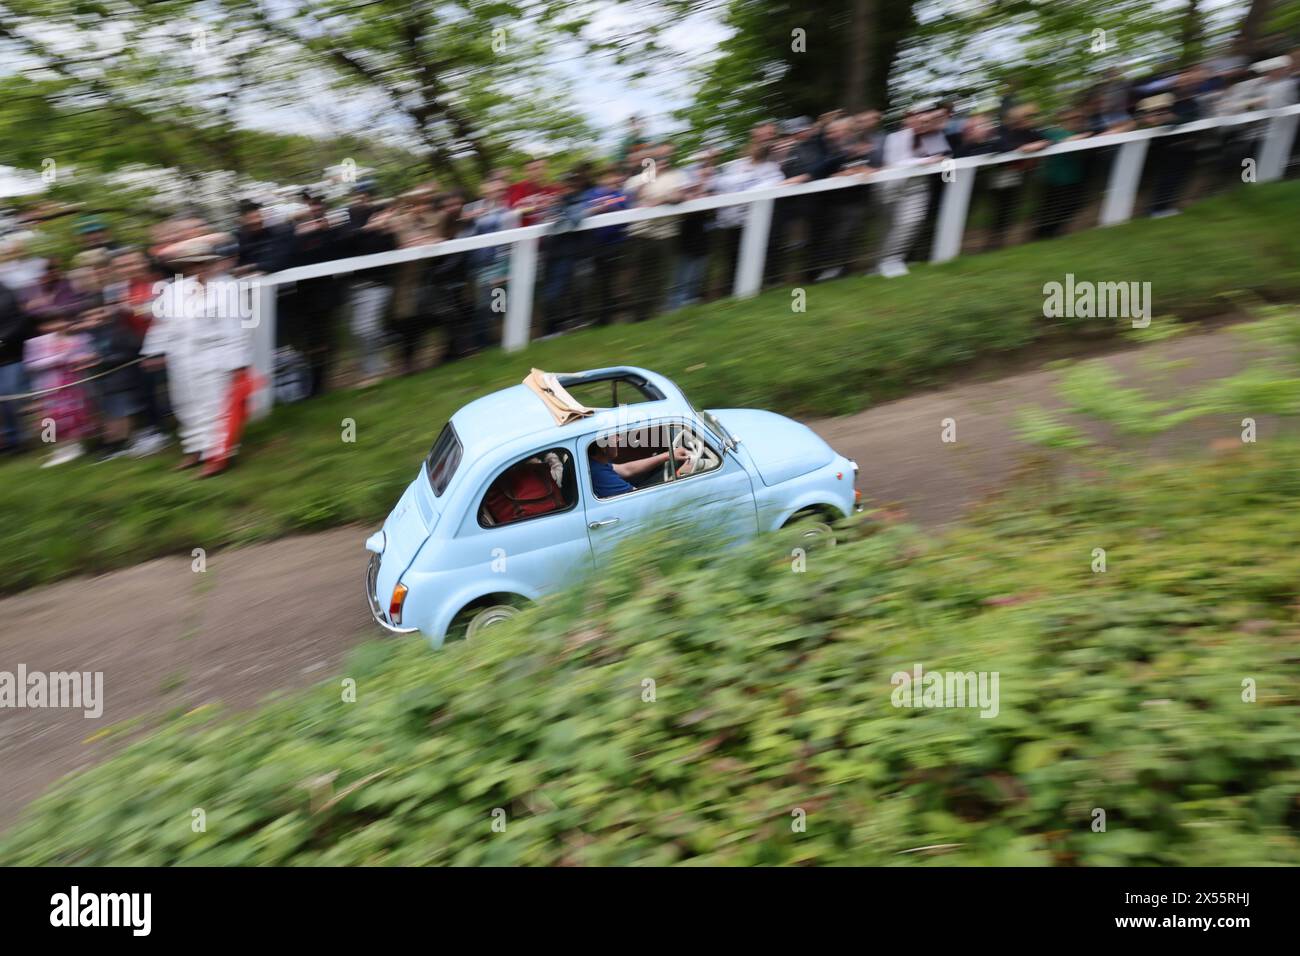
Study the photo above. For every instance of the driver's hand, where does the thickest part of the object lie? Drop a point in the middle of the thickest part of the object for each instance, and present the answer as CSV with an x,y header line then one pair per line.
x,y
681,454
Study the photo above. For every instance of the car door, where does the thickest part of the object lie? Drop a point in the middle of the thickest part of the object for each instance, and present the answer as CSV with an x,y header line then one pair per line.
x,y
719,503
531,554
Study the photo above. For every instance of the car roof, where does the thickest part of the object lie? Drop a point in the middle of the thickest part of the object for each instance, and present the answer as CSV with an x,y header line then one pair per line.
x,y
503,417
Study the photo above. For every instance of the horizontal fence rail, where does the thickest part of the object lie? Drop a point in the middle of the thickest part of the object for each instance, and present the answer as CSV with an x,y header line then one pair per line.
x,y
1277,129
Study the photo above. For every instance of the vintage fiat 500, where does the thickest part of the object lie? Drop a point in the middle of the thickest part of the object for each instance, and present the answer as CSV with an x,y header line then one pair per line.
x,y
528,489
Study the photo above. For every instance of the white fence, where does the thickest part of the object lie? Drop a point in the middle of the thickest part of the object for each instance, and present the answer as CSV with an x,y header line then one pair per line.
x,y
1278,135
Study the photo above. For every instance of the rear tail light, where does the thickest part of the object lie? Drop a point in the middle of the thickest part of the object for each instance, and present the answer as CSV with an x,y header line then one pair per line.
x,y
395,605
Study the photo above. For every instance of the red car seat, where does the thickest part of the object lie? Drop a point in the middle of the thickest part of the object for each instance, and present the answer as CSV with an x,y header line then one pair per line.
x,y
523,491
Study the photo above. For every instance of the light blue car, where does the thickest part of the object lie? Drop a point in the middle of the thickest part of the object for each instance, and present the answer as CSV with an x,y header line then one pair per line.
x,y
529,489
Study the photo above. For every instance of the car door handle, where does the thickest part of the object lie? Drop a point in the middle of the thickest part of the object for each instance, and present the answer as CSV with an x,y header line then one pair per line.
x,y
601,524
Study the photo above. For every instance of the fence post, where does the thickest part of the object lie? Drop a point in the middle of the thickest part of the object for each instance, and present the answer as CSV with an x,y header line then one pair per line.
x,y
519,294
263,302
1277,147
1125,176
753,249
952,215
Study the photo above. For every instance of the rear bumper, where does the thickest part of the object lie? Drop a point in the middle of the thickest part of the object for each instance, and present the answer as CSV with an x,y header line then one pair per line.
x,y
376,611
857,492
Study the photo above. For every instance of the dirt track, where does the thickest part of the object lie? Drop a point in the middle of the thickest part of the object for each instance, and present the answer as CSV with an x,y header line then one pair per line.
x,y
276,616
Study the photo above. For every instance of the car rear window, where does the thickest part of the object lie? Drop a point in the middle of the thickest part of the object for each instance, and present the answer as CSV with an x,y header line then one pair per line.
x,y
443,459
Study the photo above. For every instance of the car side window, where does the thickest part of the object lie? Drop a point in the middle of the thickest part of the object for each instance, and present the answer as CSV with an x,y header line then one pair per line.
x,y
654,454
539,484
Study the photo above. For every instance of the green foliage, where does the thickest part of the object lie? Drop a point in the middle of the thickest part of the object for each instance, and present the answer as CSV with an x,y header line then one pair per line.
x,y
39,121
172,83
1048,52
1037,426
1159,329
759,74
1056,50
874,340
1092,390
772,694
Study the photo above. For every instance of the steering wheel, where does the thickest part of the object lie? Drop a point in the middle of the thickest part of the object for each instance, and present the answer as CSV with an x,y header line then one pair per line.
x,y
694,452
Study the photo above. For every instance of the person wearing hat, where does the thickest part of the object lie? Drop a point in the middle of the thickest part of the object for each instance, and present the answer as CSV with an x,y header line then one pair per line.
x,y
198,330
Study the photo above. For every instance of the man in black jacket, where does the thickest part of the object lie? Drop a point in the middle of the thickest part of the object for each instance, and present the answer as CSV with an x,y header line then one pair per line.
x,y
15,330
312,305
799,153
262,248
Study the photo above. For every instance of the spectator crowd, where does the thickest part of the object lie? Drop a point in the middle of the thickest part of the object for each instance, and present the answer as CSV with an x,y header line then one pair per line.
x,y
94,354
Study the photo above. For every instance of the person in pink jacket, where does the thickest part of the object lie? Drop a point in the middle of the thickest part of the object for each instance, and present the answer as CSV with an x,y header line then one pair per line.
x,y
56,360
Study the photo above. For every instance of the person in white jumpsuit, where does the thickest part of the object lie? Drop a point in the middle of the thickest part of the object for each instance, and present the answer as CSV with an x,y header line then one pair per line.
x,y
199,330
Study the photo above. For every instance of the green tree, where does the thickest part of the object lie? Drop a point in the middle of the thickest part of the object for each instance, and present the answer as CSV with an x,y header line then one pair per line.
x,y
182,83
797,58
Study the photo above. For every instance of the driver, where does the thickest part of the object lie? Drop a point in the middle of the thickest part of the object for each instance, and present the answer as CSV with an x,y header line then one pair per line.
x,y
609,478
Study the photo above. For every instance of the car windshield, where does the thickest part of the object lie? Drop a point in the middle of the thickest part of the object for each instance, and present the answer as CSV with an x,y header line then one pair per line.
x,y
716,426
443,459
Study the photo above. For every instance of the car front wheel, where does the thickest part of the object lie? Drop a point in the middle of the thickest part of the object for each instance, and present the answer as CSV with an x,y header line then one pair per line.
x,y
807,530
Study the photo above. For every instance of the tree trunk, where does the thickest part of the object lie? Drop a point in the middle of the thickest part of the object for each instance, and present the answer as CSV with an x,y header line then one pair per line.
x,y
1193,33
862,23
891,24
1252,25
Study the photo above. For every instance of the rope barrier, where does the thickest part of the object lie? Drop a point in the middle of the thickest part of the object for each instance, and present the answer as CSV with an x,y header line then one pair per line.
x,y
57,388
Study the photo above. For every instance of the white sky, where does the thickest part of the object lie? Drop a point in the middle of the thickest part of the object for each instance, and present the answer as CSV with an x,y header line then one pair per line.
x,y
603,91
608,95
